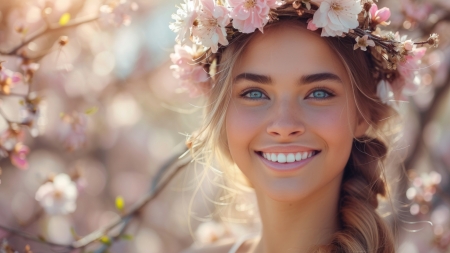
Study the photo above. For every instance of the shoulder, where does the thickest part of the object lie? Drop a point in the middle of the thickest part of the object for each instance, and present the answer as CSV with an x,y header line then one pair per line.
x,y
221,246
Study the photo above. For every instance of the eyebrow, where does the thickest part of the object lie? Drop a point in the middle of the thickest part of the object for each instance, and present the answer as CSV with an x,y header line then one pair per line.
x,y
306,79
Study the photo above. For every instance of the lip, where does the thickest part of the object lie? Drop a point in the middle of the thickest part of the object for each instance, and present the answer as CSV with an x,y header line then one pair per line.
x,y
286,149
286,167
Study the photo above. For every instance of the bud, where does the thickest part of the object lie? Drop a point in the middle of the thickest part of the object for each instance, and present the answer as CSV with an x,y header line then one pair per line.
x,y
63,40
408,45
433,40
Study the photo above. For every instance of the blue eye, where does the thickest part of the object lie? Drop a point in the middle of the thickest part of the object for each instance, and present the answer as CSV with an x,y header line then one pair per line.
x,y
320,94
254,94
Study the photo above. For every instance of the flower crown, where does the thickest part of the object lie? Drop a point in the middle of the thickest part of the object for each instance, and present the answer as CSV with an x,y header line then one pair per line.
x,y
211,25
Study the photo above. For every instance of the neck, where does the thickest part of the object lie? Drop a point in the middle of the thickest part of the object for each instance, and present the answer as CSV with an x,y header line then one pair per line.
x,y
299,226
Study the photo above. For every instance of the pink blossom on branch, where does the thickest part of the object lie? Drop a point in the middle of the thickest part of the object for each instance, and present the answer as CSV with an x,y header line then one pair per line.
x,y
192,76
336,17
249,15
380,16
409,81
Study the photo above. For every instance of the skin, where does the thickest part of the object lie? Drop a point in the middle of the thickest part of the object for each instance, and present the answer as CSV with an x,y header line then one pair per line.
x,y
299,208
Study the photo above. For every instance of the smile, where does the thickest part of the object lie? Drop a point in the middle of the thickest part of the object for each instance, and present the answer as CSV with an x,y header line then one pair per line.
x,y
284,162
288,157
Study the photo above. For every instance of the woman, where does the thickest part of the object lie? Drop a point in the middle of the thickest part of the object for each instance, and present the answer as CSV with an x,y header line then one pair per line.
x,y
301,109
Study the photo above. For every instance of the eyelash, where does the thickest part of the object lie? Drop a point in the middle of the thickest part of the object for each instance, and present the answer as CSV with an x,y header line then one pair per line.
x,y
246,92
330,93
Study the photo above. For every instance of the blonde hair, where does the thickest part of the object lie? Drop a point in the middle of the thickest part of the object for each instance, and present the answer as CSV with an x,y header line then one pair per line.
x,y
362,228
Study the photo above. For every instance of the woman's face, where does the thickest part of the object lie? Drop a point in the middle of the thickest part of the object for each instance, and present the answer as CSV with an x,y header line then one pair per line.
x,y
291,98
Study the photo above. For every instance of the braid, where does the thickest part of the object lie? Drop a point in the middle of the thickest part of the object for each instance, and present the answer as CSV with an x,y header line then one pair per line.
x,y
363,230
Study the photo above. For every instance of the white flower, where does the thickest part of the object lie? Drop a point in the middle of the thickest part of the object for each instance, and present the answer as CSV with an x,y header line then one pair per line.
x,y
210,30
210,232
384,92
363,43
58,196
337,16
184,20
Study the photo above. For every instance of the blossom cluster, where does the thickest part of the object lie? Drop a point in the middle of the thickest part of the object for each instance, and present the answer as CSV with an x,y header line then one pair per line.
x,y
212,24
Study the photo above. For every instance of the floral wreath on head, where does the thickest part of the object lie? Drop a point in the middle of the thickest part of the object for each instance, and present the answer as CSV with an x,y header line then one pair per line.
x,y
213,24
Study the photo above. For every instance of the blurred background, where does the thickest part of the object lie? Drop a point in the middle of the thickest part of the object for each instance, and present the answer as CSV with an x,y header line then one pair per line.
x,y
106,111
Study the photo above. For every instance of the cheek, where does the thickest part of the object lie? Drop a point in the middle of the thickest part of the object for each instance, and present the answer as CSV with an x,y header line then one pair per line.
x,y
334,126
242,125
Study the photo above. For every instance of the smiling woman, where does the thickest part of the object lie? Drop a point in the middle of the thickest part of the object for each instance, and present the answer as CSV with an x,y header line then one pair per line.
x,y
299,117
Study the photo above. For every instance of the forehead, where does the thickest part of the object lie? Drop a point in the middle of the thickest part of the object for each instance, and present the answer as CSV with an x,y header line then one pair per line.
x,y
288,50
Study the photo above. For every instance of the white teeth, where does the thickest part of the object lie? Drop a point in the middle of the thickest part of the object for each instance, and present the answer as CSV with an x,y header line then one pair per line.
x,y
290,158
273,157
304,155
287,158
281,158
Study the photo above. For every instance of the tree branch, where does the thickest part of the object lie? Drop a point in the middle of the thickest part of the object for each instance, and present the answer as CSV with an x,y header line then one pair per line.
x,y
164,175
47,29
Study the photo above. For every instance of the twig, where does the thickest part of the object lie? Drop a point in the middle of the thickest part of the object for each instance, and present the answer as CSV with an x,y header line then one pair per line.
x,y
163,177
32,238
47,29
156,189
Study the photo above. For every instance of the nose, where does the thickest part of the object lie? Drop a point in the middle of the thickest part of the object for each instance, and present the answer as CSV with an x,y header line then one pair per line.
x,y
286,122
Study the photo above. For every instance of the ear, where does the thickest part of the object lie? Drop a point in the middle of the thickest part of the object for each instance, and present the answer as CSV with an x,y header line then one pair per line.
x,y
361,127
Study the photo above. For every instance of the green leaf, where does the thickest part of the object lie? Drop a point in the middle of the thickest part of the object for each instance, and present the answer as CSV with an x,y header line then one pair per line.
x,y
91,110
105,240
127,237
120,203
64,19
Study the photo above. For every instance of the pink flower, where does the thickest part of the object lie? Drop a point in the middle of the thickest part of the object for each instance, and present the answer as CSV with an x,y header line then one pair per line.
x,y
337,16
191,75
210,28
249,15
409,80
380,16
184,19
18,156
